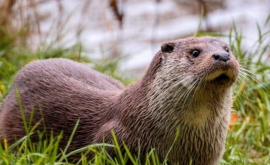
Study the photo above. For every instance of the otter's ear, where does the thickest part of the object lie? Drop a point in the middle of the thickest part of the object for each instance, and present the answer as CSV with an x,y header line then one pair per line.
x,y
167,47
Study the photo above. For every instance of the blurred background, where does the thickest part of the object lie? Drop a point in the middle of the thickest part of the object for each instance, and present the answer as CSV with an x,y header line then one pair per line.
x,y
129,31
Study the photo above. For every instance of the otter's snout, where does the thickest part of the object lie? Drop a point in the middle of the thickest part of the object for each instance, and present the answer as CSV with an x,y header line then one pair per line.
x,y
221,57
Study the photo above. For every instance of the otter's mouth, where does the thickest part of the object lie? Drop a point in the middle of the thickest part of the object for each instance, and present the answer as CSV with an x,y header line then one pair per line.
x,y
221,77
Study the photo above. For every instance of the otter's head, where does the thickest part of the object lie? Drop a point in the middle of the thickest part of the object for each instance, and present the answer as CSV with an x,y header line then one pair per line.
x,y
194,61
194,70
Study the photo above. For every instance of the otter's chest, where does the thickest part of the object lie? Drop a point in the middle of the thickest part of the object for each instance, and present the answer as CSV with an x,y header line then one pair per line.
x,y
201,146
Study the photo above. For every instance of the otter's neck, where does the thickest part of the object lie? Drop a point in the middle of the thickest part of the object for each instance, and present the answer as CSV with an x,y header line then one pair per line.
x,y
134,100
146,105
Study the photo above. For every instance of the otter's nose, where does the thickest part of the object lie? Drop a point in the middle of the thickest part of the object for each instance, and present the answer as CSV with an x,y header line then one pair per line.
x,y
221,57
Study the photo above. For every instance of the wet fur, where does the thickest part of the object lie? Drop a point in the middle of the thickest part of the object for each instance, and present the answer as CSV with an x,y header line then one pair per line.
x,y
174,93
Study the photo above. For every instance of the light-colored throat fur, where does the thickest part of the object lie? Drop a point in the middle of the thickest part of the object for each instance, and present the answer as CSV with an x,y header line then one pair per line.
x,y
187,106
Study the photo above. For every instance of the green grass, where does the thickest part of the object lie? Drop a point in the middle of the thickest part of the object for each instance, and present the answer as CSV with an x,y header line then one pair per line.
x,y
248,140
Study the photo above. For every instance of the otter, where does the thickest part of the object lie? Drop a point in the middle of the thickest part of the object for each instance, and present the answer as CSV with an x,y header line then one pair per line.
x,y
187,86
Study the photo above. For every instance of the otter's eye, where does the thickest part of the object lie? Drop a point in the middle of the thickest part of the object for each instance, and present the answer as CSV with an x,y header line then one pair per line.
x,y
195,53
226,49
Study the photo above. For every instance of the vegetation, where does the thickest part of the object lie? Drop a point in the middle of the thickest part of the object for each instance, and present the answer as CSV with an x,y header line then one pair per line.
x,y
248,141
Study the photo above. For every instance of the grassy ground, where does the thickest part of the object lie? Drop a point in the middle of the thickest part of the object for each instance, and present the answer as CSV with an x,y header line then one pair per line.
x,y
248,141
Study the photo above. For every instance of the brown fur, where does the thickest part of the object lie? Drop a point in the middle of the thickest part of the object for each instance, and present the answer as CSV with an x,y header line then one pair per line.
x,y
178,90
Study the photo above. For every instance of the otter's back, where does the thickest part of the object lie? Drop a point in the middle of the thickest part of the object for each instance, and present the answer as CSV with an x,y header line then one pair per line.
x,y
64,68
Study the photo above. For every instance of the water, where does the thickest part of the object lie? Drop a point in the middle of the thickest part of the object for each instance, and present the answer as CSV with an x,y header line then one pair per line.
x,y
147,24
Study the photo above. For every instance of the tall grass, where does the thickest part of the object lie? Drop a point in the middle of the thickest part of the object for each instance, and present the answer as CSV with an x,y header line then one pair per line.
x,y
248,141
21,41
